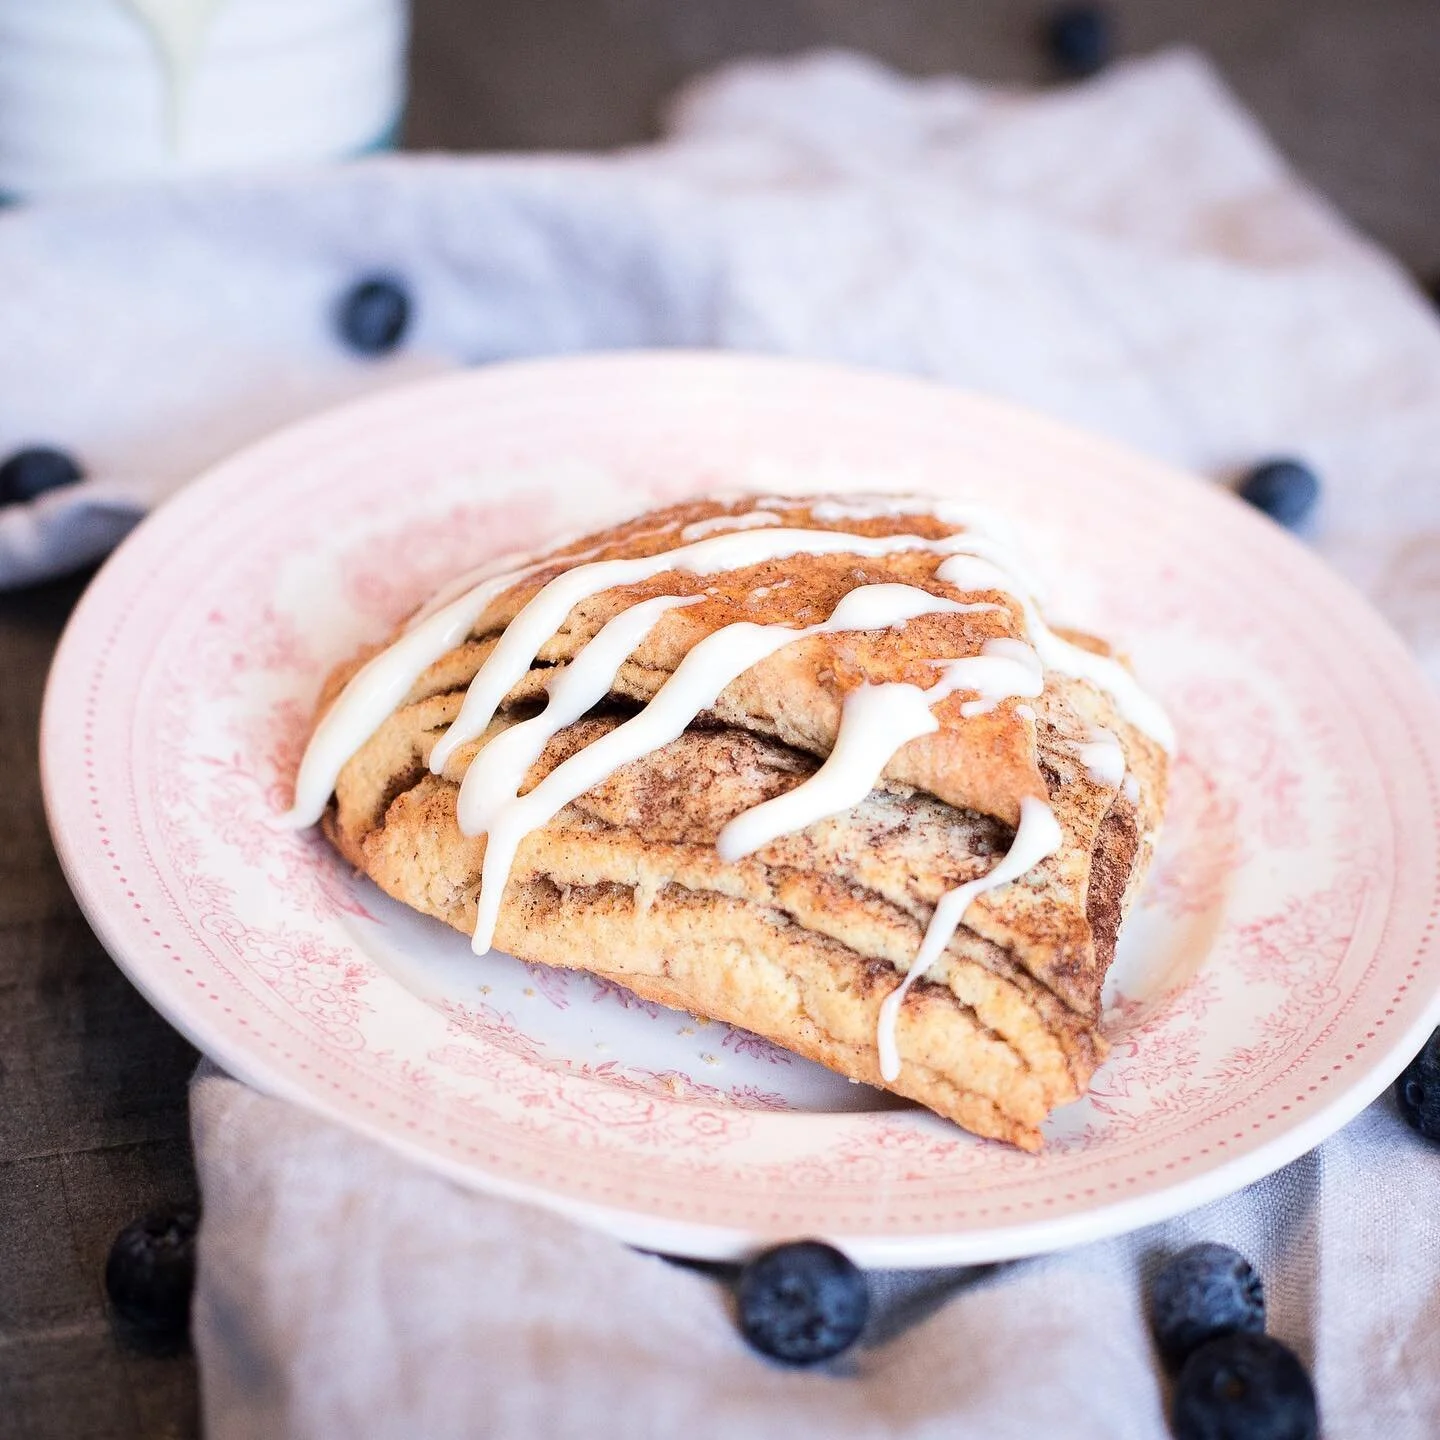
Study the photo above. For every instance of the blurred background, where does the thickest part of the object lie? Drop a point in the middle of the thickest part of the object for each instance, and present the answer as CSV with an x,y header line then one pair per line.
x,y
1346,88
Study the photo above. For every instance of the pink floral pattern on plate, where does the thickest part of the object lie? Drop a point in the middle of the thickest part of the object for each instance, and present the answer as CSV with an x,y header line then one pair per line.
x,y
1274,977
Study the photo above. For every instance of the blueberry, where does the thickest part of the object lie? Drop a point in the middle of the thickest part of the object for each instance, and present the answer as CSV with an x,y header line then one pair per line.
x,y
1418,1090
150,1272
1080,39
34,470
1286,490
803,1302
1203,1292
374,315
1244,1387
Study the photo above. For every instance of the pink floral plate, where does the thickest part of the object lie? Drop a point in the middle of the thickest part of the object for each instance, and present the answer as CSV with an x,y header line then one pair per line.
x,y
1277,975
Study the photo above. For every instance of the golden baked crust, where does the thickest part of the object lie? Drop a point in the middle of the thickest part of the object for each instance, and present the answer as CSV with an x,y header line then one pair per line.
x,y
803,940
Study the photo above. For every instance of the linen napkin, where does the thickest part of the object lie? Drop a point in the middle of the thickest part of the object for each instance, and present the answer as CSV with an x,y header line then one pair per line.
x,y
345,1293
1129,255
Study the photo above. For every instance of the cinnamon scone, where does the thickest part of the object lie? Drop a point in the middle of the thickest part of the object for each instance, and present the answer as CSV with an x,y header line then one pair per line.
x,y
815,767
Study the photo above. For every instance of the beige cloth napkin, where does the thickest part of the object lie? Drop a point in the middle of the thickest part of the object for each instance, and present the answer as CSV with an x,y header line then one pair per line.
x,y
1130,255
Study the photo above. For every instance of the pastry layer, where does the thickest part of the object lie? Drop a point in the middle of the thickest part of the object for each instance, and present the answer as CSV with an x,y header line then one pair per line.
x,y
803,940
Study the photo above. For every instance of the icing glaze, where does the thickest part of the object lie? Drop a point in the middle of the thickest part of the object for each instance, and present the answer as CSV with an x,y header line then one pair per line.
x,y
496,774
544,613
1103,758
750,520
1036,837
876,719
376,689
976,571
708,667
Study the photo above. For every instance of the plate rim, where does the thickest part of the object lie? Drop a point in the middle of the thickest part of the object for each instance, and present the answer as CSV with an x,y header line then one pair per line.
x,y
696,1238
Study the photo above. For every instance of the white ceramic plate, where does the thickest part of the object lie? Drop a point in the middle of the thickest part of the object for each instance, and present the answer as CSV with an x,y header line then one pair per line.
x,y
1273,981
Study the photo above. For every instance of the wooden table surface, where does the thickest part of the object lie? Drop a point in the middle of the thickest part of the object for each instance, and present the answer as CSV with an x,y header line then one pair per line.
x,y
93,1124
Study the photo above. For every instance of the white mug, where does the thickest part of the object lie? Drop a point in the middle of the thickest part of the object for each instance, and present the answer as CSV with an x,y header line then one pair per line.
x,y
97,91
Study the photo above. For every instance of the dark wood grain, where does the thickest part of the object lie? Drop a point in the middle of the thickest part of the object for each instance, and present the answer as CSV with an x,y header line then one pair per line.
x,y
92,1082
93,1128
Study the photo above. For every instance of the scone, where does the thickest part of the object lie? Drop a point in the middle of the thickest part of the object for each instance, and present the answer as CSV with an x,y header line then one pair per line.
x,y
815,767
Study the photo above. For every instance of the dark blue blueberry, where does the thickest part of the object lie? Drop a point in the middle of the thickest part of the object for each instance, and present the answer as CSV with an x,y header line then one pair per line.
x,y
1286,490
374,315
1081,39
1244,1387
150,1272
802,1303
34,470
1418,1090
1203,1292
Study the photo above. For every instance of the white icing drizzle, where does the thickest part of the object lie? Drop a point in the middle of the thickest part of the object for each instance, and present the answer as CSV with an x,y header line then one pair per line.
x,y
1004,669
376,689
973,570
878,506
495,775
520,564
1108,675
515,562
1130,789
1103,757
695,684
875,721
1037,836
750,520
543,615
860,505
989,533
